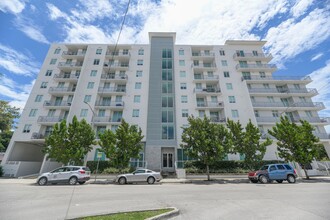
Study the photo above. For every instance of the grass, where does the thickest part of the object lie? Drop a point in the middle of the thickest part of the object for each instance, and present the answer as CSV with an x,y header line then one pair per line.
x,y
140,215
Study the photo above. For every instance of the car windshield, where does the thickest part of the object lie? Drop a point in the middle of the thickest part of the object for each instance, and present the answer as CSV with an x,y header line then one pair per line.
x,y
264,167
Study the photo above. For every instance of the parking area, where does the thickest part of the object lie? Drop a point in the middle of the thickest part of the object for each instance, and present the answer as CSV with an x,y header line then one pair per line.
x,y
22,199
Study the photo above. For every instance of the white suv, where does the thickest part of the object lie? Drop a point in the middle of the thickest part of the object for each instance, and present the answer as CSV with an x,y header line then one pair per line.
x,y
67,174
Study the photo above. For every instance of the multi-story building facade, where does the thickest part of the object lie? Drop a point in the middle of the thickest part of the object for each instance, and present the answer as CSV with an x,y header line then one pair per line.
x,y
157,86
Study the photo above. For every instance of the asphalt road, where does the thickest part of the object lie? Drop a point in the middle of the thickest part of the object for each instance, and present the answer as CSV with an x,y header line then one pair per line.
x,y
20,199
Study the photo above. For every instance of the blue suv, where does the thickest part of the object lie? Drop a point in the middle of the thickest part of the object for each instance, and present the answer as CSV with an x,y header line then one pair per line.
x,y
270,172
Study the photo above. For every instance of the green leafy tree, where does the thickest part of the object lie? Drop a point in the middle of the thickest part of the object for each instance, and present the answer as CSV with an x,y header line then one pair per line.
x,y
123,145
205,141
68,144
7,116
5,139
296,142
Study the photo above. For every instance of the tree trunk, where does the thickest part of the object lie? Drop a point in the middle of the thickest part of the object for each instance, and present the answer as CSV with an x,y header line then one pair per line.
x,y
307,177
208,172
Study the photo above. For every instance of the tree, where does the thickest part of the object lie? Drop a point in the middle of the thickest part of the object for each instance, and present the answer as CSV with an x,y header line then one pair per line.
x,y
205,141
296,142
123,145
69,144
5,139
7,116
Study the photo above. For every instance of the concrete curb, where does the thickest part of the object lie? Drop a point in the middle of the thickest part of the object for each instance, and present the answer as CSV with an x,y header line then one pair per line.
x,y
166,215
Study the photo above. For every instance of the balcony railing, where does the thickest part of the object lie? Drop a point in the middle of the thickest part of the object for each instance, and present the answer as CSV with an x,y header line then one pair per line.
x,y
66,76
252,55
202,54
294,119
57,103
107,103
73,64
73,53
113,76
210,104
205,65
256,66
105,119
61,89
218,119
296,78
207,90
54,119
111,89
282,90
281,104
112,53
116,65
205,77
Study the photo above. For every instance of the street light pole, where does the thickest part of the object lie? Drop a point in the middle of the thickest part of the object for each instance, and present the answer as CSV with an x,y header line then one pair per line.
x,y
92,124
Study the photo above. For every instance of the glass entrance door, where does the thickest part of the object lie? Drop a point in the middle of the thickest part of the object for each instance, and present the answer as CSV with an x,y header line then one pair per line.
x,y
167,160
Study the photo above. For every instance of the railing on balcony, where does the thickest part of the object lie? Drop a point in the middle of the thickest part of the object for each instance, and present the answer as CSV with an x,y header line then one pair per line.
x,y
256,66
54,119
218,119
72,64
308,104
281,104
112,53
205,77
101,119
252,55
115,65
57,103
299,78
61,89
202,54
113,76
107,103
207,90
73,53
294,119
210,104
66,76
37,135
282,90
111,89
204,65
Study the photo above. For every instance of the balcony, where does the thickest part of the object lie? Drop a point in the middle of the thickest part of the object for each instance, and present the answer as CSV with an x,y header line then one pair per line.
x,y
66,77
112,90
73,54
218,119
116,66
281,91
253,57
37,135
118,55
203,56
61,90
205,78
256,67
209,105
70,66
106,120
312,120
280,79
109,104
292,106
204,67
49,119
207,91
322,135
114,77
57,104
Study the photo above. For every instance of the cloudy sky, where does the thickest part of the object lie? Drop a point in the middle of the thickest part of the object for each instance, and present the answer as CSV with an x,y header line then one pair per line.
x,y
297,31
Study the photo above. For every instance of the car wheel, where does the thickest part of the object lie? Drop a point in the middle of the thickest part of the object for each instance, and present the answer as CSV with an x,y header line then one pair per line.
x,y
279,181
151,180
42,181
291,179
73,180
122,181
263,179
82,182
254,181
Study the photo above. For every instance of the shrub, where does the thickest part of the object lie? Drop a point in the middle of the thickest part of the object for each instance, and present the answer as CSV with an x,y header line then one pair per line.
x,y
1,171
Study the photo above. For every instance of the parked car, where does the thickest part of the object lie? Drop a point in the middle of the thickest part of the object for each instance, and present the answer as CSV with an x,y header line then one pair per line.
x,y
66,174
270,172
140,175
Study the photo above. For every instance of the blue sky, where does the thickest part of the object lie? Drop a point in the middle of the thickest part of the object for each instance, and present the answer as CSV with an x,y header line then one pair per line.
x,y
298,32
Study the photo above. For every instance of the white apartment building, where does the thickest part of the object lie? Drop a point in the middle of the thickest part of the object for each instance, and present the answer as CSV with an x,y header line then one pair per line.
x,y
156,86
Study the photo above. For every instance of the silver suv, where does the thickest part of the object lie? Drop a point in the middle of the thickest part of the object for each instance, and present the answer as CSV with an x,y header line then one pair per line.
x,y
67,174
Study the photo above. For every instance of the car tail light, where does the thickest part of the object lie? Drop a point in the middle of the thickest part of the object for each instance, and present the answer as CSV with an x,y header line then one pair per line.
x,y
294,170
82,171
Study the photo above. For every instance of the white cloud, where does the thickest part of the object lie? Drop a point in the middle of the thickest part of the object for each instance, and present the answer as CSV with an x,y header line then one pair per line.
x,y
92,10
32,31
290,38
12,6
55,13
317,56
300,7
17,62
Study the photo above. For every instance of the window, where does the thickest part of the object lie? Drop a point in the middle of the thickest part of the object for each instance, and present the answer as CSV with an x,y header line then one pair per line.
x,y
182,74
167,101
214,99
185,113
125,51
181,63
258,63
100,130
275,113
270,99
167,116
137,98
119,98
33,112
53,61
196,62
93,73
49,73
141,52
184,99
51,112
138,85
167,75
90,85
38,98
224,63
167,87
201,113
229,86
183,86
309,114
231,99
272,168
60,84
266,85
222,53
226,74
234,113
96,62
181,52
57,51
140,62
256,113
255,53
253,99
87,98
44,85
136,112
98,51
302,99
27,128
280,167
296,86
138,73
101,113
262,74
83,112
